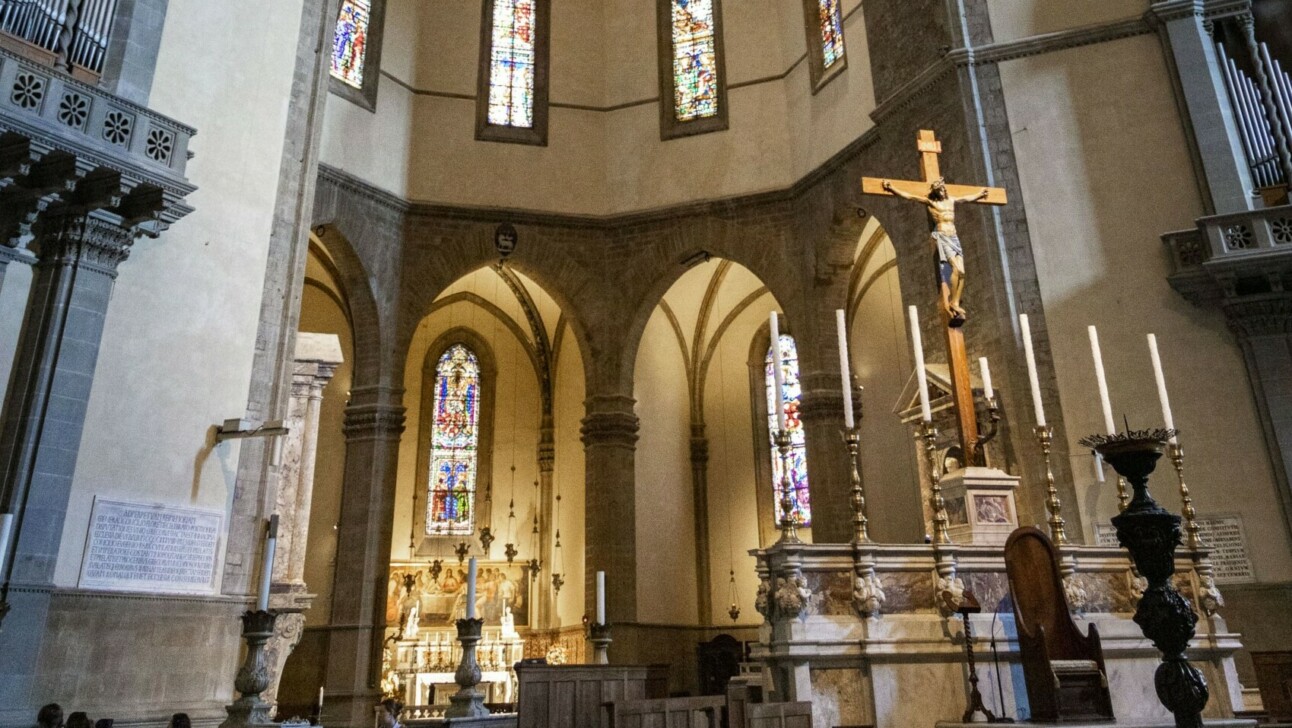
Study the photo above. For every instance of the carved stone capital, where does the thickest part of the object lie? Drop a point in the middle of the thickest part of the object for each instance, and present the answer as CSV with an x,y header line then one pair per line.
x,y
1260,316
365,422
94,241
611,422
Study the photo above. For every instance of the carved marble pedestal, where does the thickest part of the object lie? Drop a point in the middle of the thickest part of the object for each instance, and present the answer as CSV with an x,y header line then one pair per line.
x,y
980,505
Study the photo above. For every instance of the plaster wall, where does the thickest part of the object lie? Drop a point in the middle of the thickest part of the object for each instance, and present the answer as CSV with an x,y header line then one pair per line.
x,y
181,328
567,414
1015,19
1104,170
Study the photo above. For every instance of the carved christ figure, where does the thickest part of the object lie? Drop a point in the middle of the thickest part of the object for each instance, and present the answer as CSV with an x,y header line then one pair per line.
x,y
951,263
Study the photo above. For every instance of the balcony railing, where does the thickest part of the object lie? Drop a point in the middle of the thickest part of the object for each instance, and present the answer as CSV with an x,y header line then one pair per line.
x,y
83,25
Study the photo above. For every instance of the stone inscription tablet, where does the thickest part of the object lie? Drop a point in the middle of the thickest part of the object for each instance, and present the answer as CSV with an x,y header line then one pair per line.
x,y
1223,535
151,548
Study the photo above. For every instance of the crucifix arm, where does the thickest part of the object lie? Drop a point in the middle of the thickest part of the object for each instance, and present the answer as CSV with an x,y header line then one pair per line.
x,y
980,195
893,189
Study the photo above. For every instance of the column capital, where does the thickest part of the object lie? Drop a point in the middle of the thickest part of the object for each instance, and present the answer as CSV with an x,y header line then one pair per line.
x,y
611,421
1269,315
95,240
373,422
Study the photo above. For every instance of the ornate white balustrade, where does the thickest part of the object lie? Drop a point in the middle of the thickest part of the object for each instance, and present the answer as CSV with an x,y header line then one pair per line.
x,y
1233,255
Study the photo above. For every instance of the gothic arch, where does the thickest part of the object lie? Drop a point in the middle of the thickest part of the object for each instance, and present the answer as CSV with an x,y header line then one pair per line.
x,y
360,303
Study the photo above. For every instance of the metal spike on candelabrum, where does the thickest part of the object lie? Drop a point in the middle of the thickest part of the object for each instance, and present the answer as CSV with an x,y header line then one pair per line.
x,y
860,523
599,636
1193,535
937,502
253,677
468,702
789,531
1058,528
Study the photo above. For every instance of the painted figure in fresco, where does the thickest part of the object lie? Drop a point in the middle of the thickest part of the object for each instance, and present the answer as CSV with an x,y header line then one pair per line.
x,y
945,240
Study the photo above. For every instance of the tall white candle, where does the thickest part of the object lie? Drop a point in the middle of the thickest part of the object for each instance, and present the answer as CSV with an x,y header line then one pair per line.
x,y
1161,385
267,568
1032,377
471,588
845,369
1104,403
6,533
601,597
778,377
988,392
921,376
320,699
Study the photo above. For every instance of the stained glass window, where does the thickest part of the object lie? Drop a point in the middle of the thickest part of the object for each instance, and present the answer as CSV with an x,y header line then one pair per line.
x,y
350,45
788,398
831,31
695,60
455,439
511,64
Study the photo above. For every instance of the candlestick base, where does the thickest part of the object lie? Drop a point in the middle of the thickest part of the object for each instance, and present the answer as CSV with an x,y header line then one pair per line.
x,y
468,702
599,636
253,677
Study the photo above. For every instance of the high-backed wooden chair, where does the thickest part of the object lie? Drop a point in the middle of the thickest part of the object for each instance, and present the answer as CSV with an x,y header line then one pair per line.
x,y
1066,679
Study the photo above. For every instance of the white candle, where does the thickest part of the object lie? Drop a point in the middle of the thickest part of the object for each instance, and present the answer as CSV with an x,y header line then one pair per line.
x,y
1161,385
6,533
921,377
267,568
471,588
845,370
1032,377
1104,402
1099,467
601,597
778,377
988,392
320,699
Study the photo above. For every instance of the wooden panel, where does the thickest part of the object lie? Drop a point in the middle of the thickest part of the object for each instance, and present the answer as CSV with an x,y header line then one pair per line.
x,y
1274,677
778,715
571,696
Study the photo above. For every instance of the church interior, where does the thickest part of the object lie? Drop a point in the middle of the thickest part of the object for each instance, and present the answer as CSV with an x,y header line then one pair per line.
x,y
609,364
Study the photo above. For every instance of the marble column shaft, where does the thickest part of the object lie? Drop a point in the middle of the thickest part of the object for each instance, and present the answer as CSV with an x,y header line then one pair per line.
x,y
44,414
610,445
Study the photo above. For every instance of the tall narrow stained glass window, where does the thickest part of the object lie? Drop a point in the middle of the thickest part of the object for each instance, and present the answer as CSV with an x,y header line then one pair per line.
x,y
831,24
788,398
695,60
455,443
350,45
511,63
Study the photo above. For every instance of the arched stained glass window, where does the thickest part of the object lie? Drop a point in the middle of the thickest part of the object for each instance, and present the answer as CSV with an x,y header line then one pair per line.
x,y
512,102
350,44
455,443
695,60
831,24
788,398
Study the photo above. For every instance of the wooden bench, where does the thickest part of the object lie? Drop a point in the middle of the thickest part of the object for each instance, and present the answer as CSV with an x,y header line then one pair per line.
x,y
705,712
571,696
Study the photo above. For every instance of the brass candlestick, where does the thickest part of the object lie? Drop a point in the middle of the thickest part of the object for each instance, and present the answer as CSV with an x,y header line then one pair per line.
x,y
1123,495
1193,535
860,523
987,434
789,531
939,504
599,636
1058,530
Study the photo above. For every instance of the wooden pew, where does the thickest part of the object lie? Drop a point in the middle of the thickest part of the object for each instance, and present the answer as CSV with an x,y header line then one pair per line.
x,y
777,715
705,712
571,696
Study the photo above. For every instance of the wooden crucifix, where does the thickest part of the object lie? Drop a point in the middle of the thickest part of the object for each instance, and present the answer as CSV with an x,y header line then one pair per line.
x,y
940,199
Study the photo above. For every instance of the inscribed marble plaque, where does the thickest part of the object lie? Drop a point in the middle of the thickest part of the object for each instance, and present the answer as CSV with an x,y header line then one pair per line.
x,y
151,548
1223,535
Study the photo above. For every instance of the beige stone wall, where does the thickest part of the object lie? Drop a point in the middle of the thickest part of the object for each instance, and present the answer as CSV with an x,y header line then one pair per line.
x,y
1104,168
1016,19
569,477
181,328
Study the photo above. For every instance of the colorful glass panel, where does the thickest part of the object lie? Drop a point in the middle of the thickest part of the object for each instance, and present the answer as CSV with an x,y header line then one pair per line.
x,y
695,60
831,31
788,399
511,64
455,439
350,45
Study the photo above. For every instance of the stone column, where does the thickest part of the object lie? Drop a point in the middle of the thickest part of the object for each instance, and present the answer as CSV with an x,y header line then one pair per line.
x,y
546,597
44,413
610,444
1205,106
829,477
317,358
700,488
374,422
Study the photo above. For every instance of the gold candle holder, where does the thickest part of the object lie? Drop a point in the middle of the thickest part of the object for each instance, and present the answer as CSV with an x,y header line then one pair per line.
x,y
1058,530
789,530
1123,495
939,504
860,523
1193,537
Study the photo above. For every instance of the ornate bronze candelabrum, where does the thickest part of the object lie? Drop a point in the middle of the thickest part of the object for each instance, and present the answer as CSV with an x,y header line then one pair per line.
x,y
1193,535
599,636
468,702
253,677
938,503
860,523
1151,535
1058,527
988,434
789,530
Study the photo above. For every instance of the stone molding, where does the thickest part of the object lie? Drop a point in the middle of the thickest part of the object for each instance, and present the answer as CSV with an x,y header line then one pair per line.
x,y
87,241
1269,315
364,422
610,429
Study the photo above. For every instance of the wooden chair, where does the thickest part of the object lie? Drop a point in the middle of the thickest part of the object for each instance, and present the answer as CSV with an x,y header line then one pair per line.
x,y
1064,670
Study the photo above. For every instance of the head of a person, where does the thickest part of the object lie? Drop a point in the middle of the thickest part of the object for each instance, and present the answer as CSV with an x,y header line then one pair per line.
x,y
938,190
180,720
79,720
50,716
388,716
